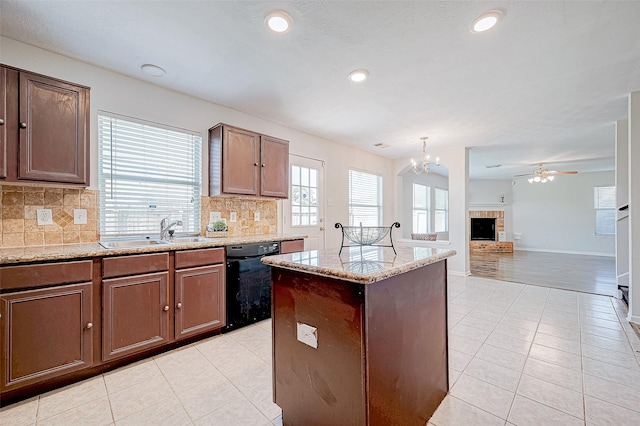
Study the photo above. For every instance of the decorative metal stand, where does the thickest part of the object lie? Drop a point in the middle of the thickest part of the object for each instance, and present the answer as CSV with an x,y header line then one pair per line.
x,y
367,235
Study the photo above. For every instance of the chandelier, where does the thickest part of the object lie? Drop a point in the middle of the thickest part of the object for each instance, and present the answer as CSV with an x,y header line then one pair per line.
x,y
423,166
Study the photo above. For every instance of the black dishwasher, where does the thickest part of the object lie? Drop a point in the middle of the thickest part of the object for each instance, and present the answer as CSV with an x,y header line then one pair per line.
x,y
248,290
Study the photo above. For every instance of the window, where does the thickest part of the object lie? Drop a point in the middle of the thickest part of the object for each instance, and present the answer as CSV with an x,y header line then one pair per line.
x,y
421,216
441,211
365,199
604,200
147,172
304,196
430,209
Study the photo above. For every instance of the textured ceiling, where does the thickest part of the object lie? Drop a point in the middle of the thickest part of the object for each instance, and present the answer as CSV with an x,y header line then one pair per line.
x,y
545,85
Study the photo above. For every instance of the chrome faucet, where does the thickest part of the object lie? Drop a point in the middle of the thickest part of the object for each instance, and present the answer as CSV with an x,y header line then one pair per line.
x,y
165,225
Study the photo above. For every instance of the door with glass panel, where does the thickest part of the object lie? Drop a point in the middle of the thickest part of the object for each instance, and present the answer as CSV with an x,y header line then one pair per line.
x,y
303,211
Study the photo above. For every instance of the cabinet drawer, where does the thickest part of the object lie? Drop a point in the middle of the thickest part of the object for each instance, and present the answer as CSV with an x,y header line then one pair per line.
x,y
291,246
43,274
133,265
191,258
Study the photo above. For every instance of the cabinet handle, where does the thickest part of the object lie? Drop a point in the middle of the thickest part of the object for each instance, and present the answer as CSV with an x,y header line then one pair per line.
x,y
23,125
179,305
1,121
89,325
166,308
263,164
255,164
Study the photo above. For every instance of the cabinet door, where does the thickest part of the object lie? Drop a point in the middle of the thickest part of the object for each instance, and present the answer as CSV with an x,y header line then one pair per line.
x,y
45,333
240,161
274,170
135,314
3,121
53,130
200,302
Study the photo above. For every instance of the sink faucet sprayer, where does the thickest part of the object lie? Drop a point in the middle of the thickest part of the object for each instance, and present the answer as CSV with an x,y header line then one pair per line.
x,y
165,225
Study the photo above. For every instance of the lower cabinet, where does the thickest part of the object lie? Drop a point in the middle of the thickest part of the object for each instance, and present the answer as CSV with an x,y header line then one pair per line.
x,y
199,300
135,314
45,333
291,246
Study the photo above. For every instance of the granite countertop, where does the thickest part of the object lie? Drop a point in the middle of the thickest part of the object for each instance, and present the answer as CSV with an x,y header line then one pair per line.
x,y
86,250
364,265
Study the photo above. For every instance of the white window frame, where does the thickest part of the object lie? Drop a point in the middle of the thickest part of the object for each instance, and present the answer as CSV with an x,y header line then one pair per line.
x,y
599,208
445,210
419,212
146,172
357,201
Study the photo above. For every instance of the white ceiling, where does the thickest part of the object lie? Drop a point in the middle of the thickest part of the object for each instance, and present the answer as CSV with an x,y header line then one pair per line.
x,y
545,85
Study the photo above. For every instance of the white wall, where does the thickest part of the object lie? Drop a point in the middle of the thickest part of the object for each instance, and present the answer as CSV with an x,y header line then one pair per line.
x,y
117,93
559,216
486,194
634,211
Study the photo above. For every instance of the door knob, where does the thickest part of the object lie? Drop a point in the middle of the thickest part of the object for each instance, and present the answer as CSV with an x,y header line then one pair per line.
x,y
166,308
179,305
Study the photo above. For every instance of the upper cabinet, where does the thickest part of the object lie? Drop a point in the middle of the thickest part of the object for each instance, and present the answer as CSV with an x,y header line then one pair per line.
x,y
242,162
45,135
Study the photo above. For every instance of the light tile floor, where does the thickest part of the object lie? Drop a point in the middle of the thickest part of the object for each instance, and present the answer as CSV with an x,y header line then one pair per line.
x,y
519,355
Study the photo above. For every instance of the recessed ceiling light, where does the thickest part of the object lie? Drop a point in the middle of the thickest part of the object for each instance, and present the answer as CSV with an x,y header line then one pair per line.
x,y
358,75
153,70
278,21
485,22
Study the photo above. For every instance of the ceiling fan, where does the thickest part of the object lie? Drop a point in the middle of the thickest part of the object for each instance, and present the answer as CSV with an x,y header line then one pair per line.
x,y
544,175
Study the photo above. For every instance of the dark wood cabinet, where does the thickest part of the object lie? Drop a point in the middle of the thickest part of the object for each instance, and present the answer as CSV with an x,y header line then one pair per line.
x,y
46,130
135,314
199,291
45,333
243,162
274,167
199,300
136,306
3,119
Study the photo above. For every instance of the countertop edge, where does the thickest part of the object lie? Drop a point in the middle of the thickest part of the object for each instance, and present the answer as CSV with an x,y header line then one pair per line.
x,y
28,254
356,277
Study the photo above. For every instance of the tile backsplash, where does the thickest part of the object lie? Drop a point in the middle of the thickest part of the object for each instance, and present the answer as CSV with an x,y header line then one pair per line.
x,y
19,226
18,221
245,208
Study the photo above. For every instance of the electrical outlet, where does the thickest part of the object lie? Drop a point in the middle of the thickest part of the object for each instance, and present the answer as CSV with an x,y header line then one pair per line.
x,y
307,335
213,216
256,216
232,217
44,217
80,216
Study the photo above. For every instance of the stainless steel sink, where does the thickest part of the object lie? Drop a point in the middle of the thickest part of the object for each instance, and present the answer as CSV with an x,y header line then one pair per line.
x,y
182,240
131,243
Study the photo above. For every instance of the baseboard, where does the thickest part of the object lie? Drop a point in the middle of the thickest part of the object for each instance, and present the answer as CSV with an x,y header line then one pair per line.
x,y
633,319
459,273
584,253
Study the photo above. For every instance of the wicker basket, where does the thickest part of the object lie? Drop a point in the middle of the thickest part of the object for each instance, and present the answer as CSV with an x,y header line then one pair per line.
x,y
424,237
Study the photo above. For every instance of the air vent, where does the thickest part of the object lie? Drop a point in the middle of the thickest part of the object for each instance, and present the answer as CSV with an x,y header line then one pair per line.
x,y
493,166
382,145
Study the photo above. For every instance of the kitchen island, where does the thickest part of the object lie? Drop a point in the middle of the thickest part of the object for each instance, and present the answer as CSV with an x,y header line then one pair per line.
x,y
360,338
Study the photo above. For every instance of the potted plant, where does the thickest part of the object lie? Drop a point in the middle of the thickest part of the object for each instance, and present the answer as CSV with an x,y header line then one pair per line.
x,y
217,229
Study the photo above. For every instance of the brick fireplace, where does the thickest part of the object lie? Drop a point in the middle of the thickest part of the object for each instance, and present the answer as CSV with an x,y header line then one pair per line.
x,y
488,245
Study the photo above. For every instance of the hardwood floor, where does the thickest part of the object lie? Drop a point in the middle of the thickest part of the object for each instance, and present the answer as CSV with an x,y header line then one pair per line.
x,y
589,274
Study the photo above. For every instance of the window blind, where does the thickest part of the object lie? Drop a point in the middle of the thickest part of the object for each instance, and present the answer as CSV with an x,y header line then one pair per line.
x,y
604,200
441,220
421,215
147,171
365,199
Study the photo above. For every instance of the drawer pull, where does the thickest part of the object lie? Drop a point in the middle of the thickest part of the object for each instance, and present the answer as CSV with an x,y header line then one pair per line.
x,y
179,305
89,325
166,308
